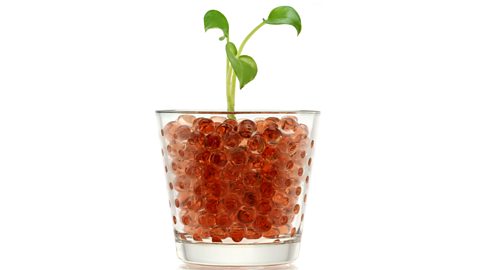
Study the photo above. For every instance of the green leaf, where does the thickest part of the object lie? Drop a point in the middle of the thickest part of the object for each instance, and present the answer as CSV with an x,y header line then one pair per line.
x,y
215,19
285,15
244,66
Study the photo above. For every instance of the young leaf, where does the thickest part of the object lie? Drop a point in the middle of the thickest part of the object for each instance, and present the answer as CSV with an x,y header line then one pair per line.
x,y
215,19
285,15
244,66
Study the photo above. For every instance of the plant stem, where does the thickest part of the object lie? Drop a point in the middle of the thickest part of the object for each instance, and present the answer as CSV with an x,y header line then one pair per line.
x,y
240,49
231,77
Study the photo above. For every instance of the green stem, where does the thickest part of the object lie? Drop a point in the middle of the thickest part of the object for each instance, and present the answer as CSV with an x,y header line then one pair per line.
x,y
247,38
231,77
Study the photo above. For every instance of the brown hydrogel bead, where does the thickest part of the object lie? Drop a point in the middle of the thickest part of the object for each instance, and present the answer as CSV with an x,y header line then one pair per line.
x,y
264,207
256,144
206,220
251,233
204,125
250,198
218,232
252,179
266,189
223,220
224,128
246,215
246,128
262,223
272,135
232,123
231,139
237,232
288,124
296,209
272,233
186,120
230,203
219,159
213,141
197,139
169,130
182,133
238,156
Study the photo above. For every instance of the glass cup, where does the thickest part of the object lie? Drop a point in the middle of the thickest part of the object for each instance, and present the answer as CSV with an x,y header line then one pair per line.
x,y
237,184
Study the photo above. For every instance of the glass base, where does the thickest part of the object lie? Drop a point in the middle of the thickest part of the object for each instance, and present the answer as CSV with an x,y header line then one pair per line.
x,y
238,254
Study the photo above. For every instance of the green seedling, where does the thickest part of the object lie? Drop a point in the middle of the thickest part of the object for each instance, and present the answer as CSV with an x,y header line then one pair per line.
x,y
239,66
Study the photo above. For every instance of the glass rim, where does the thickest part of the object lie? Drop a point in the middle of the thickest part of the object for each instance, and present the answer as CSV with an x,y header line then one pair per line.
x,y
314,112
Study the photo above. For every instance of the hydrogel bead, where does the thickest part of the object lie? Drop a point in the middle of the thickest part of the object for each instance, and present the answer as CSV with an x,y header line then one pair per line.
x,y
252,179
186,219
214,189
203,156
202,232
284,229
251,233
264,207
219,232
230,203
267,190
223,220
246,215
231,172
197,139
194,170
211,205
204,125
182,133
261,126
183,154
250,198
182,184
206,220
296,209
280,199
193,203
174,147
288,124
231,139
256,144
224,128
237,232
272,121
218,119
210,173
197,237
270,153
246,128
272,233
255,161
169,130
300,133
238,156
232,123
212,141
272,135
298,191
186,120
262,224
218,159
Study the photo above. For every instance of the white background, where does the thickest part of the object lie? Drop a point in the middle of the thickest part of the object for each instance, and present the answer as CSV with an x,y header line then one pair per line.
x,y
396,176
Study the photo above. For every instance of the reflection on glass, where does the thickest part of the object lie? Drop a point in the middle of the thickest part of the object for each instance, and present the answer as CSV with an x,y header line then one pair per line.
x,y
200,267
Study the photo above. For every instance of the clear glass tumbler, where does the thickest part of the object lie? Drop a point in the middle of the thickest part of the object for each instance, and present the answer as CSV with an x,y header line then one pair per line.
x,y
237,184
